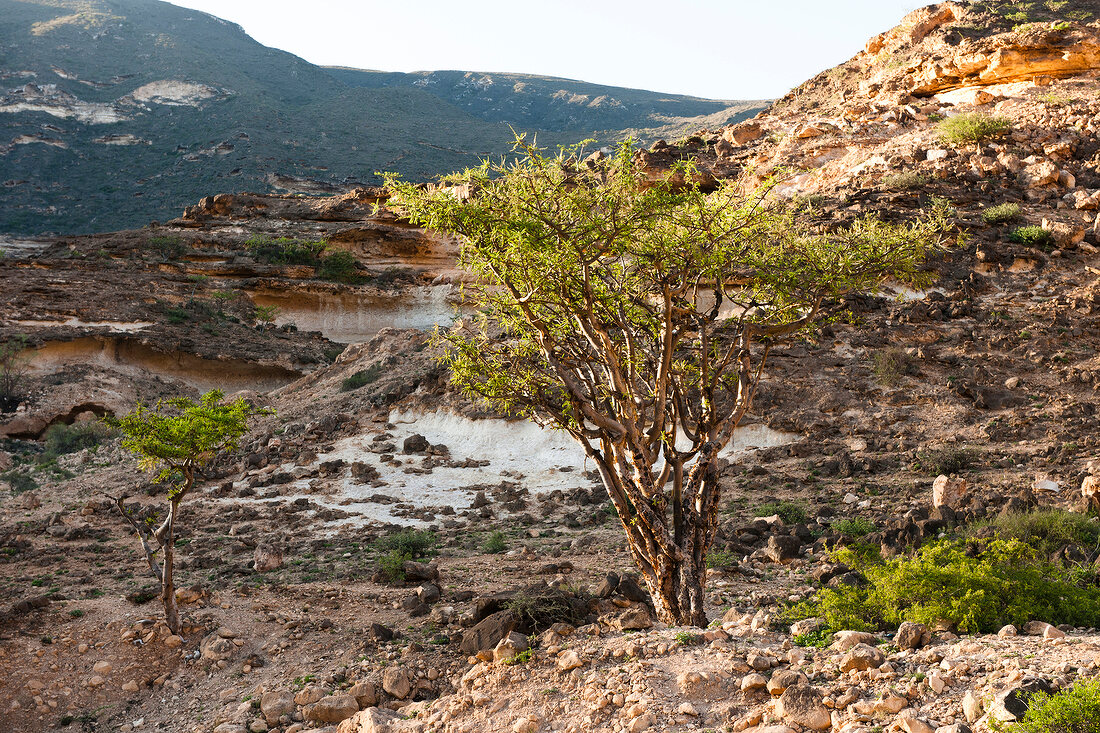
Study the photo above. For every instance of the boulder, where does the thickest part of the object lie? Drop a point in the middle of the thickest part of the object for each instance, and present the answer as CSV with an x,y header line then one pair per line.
x,y
510,646
371,720
802,705
217,648
912,636
742,133
331,709
267,557
634,619
781,548
784,679
275,704
1011,704
488,633
948,491
397,681
861,657
415,444
365,693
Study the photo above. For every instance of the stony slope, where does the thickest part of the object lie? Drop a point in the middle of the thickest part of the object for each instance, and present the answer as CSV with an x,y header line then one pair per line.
x,y
116,112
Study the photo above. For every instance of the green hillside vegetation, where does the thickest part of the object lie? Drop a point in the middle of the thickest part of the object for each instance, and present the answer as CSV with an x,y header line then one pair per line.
x,y
269,113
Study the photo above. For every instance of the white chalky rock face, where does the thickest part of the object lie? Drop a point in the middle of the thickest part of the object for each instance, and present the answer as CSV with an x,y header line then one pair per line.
x,y
174,93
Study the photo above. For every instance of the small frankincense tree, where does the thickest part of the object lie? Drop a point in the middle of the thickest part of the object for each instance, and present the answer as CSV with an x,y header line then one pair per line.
x,y
637,317
13,367
177,437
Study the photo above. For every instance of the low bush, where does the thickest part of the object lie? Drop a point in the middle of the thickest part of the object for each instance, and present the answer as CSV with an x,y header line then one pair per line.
x,y
1076,710
978,586
285,251
361,378
944,462
853,526
62,439
340,266
19,481
721,559
1001,213
414,543
972,128
790,512
13,369
495,544
1047,530
1032,236
904,181
170,248
392,565
890,365
538,609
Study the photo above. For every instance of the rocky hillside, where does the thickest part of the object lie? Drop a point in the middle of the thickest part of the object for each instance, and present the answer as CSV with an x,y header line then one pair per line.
x,y
948,414
116,112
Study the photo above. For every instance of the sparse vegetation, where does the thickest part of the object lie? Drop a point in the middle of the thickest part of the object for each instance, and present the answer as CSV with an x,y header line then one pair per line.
x,y
61,439
265,314
340,266
971,128
891,364
789,511
495,543
1032,236
541,608
13,370
168,247
906,181
721,559
1001,213
1047,530
361,378
413,543
853,526
945,461
285,251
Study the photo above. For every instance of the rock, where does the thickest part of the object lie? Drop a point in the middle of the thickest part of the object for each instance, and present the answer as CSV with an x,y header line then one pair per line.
x,y
948,491
419,571
861,657
331,709
912,636
371,720
913,724
753,682
815,129
785,678
845,640
972,706
102,668
526,724
742,133
266,557
807,626
309,695
364,692
428,593
258,726
510,646
275,704
608,585
890,704
801,705
397,681
781,548
1037,628
629,589
217,648
488,633
569,659
1090,485
173,641
634,619
642,722
1006,631
1041,173
1011,704
415,444
760,662
1065,235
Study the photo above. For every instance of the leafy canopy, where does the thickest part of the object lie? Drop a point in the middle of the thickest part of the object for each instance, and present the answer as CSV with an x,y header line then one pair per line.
x,y
179,435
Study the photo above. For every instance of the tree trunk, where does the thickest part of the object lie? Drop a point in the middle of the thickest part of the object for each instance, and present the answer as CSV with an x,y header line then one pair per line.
x,y
167,585
678,592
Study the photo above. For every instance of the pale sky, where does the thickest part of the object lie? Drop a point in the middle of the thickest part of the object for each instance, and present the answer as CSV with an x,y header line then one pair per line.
x,y
721,49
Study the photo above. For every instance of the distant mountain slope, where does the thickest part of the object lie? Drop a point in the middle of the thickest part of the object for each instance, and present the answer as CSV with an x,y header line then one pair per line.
x,y
116,112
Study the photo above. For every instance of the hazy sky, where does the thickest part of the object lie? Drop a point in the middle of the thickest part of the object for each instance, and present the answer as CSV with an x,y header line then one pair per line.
x,y
723,49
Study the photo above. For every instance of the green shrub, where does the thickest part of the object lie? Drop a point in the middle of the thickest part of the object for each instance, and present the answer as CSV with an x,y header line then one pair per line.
x,y
20,481
1032,236
853,526
721,559
285,251
13,369
790,512
972,128
361,378
820,638
1076,710
495,544
265,313
904,181
687,638
411,542
978,586
1047,530
170,248
62,439
392,565
1001,213
340,266
541,608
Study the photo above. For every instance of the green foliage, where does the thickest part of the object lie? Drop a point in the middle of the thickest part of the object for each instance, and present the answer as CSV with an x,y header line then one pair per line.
x,y
521,658
853,526
1032,236
721,559
687,638
820,638
974,127
168,247
1076,710
340,266
495,543
908,180
392,565
891,364
1001,213
265,313
978,586
361,378
19,480
180,435
13,369
62,439
1047,530
413,543
285,251
791,512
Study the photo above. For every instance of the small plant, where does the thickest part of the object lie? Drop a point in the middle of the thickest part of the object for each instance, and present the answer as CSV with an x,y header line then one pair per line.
x,y
819,638
1032,236
361,378
20,481
721,559
265,314
853,526
687,638
906,181
392,565
945,462
790,512
13,368
521,658
76,612
1076,710
890,365
495,543
169,248
340,266
285,251
975,127
411,542
1001,213
1047,530
62,439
